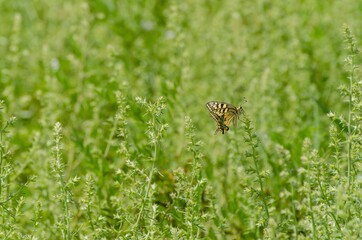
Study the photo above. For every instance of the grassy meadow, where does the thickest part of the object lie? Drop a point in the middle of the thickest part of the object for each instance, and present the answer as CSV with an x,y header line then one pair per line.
x,y
104,132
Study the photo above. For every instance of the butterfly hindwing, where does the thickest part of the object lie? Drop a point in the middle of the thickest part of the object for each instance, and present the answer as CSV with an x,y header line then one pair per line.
x,y
220,123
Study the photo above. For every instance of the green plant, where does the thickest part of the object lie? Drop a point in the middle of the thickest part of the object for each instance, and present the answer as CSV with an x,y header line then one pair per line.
x,y
126,162
65,194
11,195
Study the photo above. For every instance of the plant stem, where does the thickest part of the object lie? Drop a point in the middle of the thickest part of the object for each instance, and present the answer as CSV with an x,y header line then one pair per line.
x,y
2,131
253,145
349,124
150,175
260,180
1,168
312,216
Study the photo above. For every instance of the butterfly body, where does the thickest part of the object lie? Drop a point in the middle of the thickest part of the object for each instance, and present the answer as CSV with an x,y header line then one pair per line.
x,y
223,114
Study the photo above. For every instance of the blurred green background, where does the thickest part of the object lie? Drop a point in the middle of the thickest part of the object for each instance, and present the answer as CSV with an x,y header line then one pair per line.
x,y
64,61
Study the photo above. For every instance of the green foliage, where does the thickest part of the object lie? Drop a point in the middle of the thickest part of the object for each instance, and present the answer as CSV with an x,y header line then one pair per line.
x,y
112,139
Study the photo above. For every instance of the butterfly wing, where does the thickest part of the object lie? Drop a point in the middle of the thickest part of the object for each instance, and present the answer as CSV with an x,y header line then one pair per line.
x,y
229,112
230,117
220,123
218,108
223,114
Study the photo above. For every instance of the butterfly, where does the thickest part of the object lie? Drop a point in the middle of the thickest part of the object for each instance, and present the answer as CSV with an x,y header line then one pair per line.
x,y
223,114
